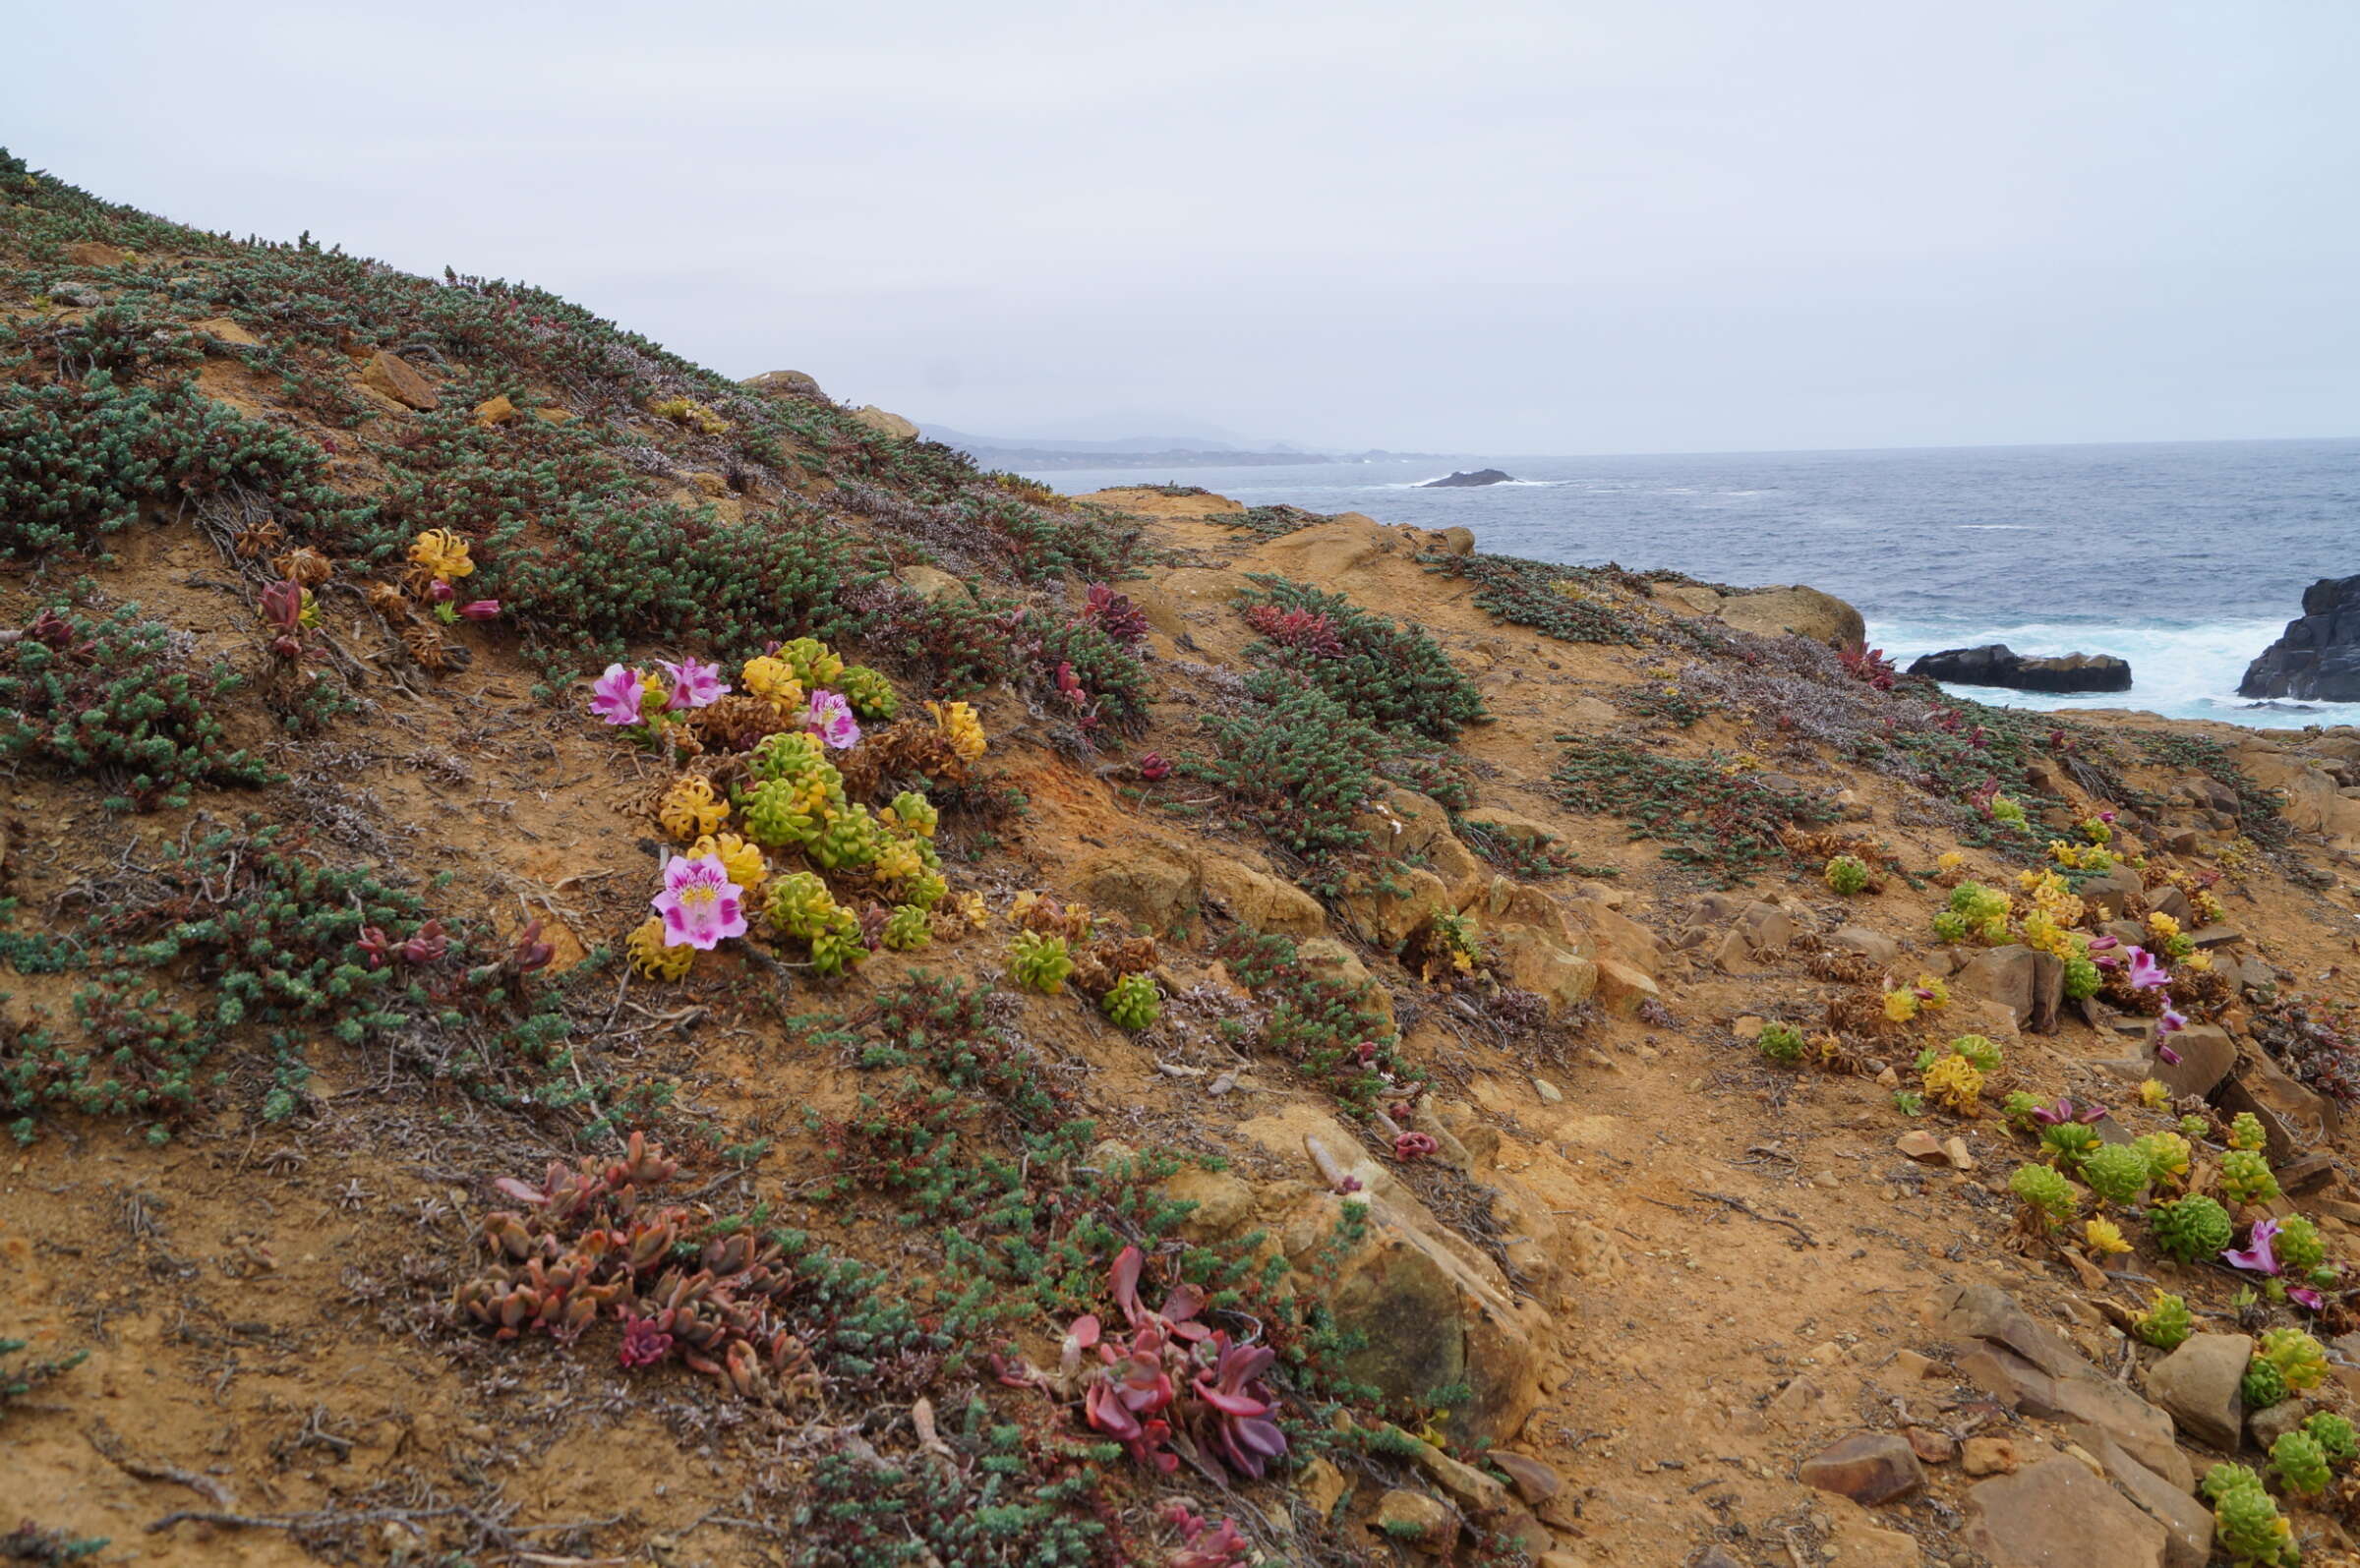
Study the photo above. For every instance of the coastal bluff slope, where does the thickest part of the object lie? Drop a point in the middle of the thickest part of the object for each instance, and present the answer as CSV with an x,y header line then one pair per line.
x,y
1214,1033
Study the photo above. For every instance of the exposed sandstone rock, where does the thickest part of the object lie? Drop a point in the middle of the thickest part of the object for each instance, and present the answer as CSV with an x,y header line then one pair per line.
x,y
1866,1467
2198,1384
1260,901
1152,888
784,384
884,424
392,376
1804,612
2057,1514
1416,1519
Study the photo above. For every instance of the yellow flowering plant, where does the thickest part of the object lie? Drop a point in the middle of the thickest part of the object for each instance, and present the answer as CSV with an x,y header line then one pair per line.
x,y
689,808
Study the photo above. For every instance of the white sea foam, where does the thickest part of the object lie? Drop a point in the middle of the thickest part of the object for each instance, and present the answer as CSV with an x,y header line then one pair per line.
x,y
2177,672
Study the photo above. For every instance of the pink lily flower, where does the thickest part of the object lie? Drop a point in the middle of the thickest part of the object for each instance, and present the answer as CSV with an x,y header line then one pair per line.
x,y
695,685
2146,971
2170,1023
2305,1297
615,695
699,904
2257,1256
830,716
479,610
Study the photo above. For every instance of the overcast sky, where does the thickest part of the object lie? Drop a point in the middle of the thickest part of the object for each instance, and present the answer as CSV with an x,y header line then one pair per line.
x,y
1577,227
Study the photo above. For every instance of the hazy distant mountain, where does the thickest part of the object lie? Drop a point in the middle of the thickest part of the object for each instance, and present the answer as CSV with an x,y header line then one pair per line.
x,y
1067,445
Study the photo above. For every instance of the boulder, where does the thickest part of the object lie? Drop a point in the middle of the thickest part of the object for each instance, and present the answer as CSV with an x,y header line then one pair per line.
x,y
2004,975
2316,659
884,424
2081,1395
1512,825
1874,946
2205,1054
1997,664
2188,1522
1803,612
1466,479
1388,907
1413,1518
1532,962
1428,1318
1154,889
2113,891
2294,1119
1867,1467
930,583
221,329
2058,1515
785,383
1260,901
2198,1384
1406,824
1224,1205
392,376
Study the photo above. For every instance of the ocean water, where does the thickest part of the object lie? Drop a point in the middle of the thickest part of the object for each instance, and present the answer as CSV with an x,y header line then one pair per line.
x,y
2186,558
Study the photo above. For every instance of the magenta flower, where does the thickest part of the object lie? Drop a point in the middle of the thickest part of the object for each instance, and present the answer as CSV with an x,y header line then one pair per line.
x,y
695,685
439,591
2170,1023
2066,1109
699,904
2305,1297
481,610
2147,972
830,716
615,695
2256,1256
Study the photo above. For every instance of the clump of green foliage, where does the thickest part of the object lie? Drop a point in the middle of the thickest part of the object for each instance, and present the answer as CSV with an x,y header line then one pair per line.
x,y
2300,1359
22,1377
1572,604
2335,1437
2116,1173
2246,1522
1707,812
2246,1178
2069,1145
1332,1030
2300,1465
1782,1043
1297,765
1392,676
2167,1324
1133,1002
1846,875
2191,1228
1039,962
2298,1244
115,699
2262,1386
233,935
2044,1194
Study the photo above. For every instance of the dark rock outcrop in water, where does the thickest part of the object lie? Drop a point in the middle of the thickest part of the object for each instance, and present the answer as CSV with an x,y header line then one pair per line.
x,y
1481,476
1998,665
2318,655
